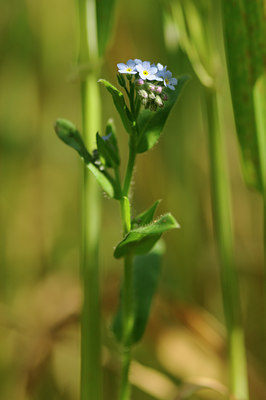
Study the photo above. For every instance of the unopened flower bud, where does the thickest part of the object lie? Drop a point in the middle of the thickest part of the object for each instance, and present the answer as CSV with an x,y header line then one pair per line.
x,y
159,89
152,87
139,82
152,96
164,96
142,93
159,101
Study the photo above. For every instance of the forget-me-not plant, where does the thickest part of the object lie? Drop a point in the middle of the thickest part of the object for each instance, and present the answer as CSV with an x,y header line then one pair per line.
x,y
143,111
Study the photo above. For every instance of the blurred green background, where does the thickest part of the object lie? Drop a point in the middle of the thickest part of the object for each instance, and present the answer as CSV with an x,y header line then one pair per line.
x,y
40,216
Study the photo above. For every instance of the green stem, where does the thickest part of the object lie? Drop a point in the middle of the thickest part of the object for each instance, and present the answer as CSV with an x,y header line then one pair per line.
x,y
90,378
127,291
130,167
224,237
128,321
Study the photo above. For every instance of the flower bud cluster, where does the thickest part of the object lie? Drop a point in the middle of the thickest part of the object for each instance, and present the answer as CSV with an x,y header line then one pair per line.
x,y
151,95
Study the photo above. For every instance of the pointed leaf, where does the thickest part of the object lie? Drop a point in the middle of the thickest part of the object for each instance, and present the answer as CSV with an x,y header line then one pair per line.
x,y
142,239
111,132
107,151
146,272
105,182
145,217
119,103
69,134
151,123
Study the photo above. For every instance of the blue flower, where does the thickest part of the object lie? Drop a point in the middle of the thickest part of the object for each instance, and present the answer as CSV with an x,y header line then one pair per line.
x,y
128,68
161,72
146,71
167,78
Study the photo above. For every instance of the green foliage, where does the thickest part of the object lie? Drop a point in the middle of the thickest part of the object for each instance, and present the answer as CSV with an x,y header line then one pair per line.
x,y
107,151
142,239
105,15
146,272
69,134
244,31
119,103
259,97
145,217
151,123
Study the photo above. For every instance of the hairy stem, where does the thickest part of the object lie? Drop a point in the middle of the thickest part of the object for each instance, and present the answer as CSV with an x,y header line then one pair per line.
x,y
127,290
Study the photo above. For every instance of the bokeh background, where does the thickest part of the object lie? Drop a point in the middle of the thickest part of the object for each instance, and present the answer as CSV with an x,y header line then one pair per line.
x,y
40,201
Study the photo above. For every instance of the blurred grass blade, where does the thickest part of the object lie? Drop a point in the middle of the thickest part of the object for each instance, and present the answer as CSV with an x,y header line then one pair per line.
x,y
119,103
146,271
141,240
190,388
151,123
105,17
189,36
259,98
244,33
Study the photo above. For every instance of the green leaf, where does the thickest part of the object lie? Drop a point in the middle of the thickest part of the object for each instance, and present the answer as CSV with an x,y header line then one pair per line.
x,y
119,103
110,131
145,217
69,134
151,123
104,181
146,272
107,151
244,32
105,18
142,239
259,97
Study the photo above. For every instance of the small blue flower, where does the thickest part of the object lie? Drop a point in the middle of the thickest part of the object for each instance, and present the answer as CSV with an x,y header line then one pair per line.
x,y
128,68
161,72
167,78
146,71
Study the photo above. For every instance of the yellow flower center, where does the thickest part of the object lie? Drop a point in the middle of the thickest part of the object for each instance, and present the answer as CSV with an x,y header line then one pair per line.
x,y
166,81
145,73
129,69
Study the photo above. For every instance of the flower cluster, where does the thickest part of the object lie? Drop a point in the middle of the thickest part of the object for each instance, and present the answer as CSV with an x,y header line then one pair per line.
x,y
147,71
151,81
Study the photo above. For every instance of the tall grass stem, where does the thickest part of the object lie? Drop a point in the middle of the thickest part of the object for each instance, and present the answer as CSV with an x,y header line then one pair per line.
x,y
224,236
91,376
